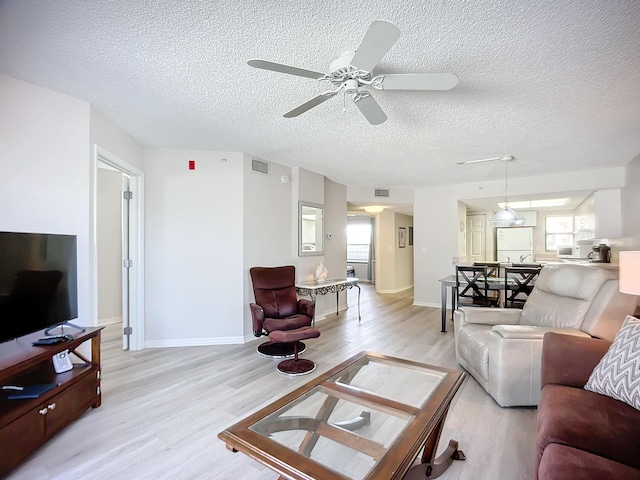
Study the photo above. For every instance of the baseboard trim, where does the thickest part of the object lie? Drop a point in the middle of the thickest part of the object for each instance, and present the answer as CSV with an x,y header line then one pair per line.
x,y
397,290
109,320
193,342
426,304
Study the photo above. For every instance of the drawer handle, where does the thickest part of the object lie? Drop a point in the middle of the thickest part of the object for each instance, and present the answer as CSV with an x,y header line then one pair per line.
x,y
52,406
43,411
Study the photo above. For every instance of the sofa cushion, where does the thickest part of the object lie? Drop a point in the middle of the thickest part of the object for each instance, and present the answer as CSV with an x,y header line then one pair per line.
x,y
289,323
567,463
617,375
576,281
588,421
562,295
545,309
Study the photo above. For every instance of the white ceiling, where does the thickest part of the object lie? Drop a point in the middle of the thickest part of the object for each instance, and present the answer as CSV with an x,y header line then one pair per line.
x,y
555,83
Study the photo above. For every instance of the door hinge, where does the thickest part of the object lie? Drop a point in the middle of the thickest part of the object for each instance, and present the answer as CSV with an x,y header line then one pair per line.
x,y
127,194
127,263
128,330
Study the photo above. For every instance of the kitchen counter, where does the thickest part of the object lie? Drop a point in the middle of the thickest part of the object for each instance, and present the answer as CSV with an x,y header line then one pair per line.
x,y
579,261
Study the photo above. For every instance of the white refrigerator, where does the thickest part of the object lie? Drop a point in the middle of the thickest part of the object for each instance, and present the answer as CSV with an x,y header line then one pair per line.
x,y
515,244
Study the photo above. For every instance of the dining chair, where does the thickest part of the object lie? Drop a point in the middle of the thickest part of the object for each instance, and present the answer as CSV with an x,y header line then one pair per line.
x,y
493,268
518,284
472,287
493,271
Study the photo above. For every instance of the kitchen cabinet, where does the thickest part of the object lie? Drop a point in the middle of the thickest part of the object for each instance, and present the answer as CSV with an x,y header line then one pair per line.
x,y
599,216
530,218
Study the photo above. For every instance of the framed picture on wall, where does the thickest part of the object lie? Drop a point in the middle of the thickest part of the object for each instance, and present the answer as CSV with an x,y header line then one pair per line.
x,y
402,237
410,236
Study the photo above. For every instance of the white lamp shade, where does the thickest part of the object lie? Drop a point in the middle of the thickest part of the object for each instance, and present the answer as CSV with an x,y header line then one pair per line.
x,y
630,272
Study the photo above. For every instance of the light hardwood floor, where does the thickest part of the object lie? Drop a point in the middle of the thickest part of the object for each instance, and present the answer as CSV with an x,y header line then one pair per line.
x,y
163,408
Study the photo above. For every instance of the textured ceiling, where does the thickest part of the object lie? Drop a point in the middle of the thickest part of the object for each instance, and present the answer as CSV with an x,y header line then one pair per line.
x,y
554,83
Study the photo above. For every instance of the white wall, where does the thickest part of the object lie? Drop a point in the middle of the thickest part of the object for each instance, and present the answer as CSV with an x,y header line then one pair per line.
x,y
436,218
462,233
269,210
403,270
630,207
386,246
44,169
115,140
194,247
109,233
365,194
394,264
335,248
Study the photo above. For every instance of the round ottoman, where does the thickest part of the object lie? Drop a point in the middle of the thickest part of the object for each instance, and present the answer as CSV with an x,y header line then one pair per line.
x,y
295,366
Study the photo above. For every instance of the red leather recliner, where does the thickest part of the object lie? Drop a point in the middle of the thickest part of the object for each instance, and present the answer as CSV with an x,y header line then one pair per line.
x,y
277,307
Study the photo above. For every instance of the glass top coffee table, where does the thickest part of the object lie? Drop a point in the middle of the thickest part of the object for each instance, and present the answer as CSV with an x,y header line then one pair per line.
x,y
367,418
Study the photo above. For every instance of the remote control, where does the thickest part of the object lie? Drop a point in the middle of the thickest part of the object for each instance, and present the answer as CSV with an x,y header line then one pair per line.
x,y
62,336
48,341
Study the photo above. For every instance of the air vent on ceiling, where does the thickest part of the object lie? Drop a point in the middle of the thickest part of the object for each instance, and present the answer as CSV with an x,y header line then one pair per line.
x,y
260,167
381,192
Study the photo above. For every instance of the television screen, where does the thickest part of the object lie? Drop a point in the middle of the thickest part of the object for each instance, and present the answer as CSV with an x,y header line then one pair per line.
x,y
38,282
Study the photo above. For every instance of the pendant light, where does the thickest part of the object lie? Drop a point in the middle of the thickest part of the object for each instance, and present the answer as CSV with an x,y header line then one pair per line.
x,y
506,216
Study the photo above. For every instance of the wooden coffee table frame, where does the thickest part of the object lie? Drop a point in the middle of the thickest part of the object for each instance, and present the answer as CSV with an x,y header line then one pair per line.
x,y
423,430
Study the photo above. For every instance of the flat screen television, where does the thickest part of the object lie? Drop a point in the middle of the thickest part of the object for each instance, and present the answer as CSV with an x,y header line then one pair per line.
x,y
38,282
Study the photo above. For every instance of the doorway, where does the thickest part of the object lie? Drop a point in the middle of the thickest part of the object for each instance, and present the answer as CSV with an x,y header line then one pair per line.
x,y
117,281
361,247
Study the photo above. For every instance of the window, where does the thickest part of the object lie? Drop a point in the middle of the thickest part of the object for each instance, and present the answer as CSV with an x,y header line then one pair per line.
x,y
358,242
558,231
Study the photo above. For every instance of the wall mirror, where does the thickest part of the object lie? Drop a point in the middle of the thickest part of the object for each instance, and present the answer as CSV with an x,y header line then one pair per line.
x,y
310,229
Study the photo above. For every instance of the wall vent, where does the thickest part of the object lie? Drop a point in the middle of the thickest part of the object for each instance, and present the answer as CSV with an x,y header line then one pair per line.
x,y
260,167
381,192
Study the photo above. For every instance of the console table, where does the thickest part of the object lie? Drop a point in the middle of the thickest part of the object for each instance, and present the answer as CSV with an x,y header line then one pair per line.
x,y
322,287
26,424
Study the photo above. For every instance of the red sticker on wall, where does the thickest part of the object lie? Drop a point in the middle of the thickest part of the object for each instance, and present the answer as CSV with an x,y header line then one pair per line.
x,y
192,164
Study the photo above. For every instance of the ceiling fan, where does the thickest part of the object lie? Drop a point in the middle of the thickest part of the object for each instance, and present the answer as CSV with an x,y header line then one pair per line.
x,y
353,70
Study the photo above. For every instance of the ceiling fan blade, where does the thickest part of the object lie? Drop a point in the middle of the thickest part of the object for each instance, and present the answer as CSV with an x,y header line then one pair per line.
x,y
419,81
376,43
503,158
371,110
314,102
278,67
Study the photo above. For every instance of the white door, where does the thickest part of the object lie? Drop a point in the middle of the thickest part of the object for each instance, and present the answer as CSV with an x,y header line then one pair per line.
x,y
476,241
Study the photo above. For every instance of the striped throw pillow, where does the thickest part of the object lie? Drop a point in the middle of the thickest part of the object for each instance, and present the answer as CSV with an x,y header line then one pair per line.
x,y
617,375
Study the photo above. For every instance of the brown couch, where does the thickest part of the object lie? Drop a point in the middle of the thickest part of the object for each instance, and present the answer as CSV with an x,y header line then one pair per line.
x,y
581,434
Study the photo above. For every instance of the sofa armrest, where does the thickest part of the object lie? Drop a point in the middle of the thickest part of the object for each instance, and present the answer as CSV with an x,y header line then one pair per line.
x,y
488,315
533,331
569,360
257,316
515,353
306,307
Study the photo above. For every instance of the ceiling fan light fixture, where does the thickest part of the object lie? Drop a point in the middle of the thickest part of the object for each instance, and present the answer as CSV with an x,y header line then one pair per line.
x,y
350,87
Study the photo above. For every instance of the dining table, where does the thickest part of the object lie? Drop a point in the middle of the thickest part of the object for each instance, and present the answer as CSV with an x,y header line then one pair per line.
x,y
494,284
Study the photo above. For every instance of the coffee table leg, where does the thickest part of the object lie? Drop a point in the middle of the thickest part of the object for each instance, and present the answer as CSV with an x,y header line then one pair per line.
x,y
432,467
